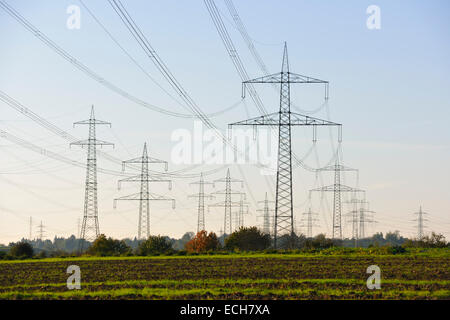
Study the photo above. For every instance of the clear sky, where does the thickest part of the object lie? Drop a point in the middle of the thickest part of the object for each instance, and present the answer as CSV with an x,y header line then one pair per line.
x,y
389,87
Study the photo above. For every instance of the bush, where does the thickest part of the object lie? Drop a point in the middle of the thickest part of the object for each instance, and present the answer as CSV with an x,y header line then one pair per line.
x,y
434,241
291,241
154,245
319,242
21,250
203,242
103,246
396,249
247,239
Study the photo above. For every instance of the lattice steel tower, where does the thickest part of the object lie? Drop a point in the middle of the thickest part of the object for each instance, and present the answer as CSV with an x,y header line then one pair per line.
x,y
90,228
284,120
353,214
420,220
41,231
144,196
310,222
227,203
243,209
337,188
201,202
365,216
266,214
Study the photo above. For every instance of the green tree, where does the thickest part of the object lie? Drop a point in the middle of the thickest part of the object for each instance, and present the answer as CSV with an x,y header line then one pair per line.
x,y
103,246
154,245
247,239
291,241
21,250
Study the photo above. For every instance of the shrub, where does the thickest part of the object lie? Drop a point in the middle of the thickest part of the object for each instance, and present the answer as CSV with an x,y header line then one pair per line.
x,y
103,246
154,245
247,239
21,250
434,241
396,249
203,242
319,242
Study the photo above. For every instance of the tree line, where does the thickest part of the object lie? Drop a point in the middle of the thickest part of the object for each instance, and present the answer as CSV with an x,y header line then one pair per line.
x,y
243,240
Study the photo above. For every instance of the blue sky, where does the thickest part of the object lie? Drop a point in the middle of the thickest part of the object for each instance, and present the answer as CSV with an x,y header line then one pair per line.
x,y
388,87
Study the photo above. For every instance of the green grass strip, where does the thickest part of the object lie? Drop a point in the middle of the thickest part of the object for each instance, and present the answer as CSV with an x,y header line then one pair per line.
x,y
158,293
223,282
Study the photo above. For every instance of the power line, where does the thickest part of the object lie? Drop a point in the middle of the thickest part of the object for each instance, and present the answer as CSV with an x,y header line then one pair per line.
x,y
89,72
16,105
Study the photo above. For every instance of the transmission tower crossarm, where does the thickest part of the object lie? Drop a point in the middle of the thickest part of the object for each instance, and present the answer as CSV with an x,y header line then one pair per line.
x,y
228,191
278,78
341,187
139,160
231,180
140,178
224,204
92,121
273,119
91,142
335,167
149,196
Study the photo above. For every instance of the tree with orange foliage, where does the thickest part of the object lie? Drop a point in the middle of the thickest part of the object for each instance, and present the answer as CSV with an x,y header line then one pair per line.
x,y
203,242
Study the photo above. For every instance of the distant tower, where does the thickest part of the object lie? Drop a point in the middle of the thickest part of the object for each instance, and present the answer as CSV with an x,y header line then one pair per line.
x,y
310,222
243,209
337,188
201,202
420,226
227,204
144,196
41,231
353,214
90,228
364,218
284,120
266,215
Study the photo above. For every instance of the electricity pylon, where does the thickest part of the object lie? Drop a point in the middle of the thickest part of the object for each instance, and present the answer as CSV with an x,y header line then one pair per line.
x,y
41,231
337,188
310,222
227,203
144,196
364,218
266,214
239,216
284,119
90,228
353,214
201,202
420,226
